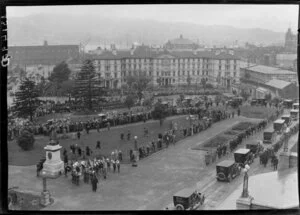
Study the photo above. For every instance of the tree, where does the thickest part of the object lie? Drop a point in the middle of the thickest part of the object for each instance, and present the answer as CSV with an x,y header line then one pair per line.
x,y
87,85
60,73
268,97
148,103
26,100
129,101
138,84
188,80
26,140
160,112
245,95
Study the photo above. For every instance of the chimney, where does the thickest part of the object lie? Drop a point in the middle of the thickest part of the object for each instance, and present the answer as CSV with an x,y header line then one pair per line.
x,y
45,43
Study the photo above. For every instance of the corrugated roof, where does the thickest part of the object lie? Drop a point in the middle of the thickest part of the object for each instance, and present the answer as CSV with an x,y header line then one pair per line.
x,y
268,70
278,84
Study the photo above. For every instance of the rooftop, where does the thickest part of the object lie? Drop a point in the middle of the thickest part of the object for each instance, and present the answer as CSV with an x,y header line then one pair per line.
x,y
186,192
181,40
279,121
242,151
147,52
226,163
269,70
279,84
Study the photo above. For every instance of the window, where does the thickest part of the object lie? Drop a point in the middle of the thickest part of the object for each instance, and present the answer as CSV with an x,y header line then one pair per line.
x,y
234,74
198,72
193,72
173,73
220,67
206,72
157,73
206,66
178,73
116,75
202,72
234,67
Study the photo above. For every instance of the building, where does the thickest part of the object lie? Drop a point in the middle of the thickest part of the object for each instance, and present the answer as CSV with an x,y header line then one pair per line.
x,y
181,44
282,89
287,61
290,44
40,60
167,67
262,74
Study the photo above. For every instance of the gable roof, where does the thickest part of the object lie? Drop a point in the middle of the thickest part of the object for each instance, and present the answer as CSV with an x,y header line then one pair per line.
x,y
278,84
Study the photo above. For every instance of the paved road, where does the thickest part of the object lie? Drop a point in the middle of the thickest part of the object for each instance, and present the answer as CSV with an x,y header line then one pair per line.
x,y
151,185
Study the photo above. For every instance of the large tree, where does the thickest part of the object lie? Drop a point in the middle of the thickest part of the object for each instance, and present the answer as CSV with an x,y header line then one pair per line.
x,y
160,112
87,85
26,100
60,73
203,83
137,84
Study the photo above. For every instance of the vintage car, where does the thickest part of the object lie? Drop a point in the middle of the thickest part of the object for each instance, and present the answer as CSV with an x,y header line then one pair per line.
x,y
188,199
269,136
278,125
258,102
296,106
243,156
287,118
294,114
288,103
227,170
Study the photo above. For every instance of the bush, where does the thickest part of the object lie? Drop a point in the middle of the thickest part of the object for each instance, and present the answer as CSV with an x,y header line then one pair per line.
x,y
26,140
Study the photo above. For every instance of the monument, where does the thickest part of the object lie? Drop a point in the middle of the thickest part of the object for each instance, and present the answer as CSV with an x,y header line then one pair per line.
x,y
52,168
53,165
245,201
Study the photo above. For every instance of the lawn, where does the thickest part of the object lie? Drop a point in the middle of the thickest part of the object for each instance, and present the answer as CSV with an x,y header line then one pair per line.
x,y
257,112
110,140
214,142
242,126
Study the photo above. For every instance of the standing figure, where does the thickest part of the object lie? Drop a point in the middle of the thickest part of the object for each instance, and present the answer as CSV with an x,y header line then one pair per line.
x,y
94,183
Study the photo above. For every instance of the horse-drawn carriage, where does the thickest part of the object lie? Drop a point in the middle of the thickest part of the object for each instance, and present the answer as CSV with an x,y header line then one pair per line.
x,y
227,170
188,199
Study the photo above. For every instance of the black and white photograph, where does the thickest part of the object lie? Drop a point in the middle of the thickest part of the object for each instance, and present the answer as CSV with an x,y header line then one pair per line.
x,y
138,107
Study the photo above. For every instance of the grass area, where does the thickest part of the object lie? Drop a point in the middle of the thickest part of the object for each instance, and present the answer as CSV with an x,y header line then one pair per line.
x,y
232,132
242,126
257,112
220,139
110,140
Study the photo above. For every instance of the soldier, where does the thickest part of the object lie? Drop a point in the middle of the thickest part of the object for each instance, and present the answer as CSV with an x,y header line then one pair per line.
x,y
108,126
128,135
78,135
87,149
118,165
122,136
79,151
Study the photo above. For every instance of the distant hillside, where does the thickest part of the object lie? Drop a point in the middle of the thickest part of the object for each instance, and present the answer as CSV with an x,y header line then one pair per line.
x,y
67,29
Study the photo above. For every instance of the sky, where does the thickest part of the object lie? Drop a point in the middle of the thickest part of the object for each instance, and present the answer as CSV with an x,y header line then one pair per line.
x,y
273,17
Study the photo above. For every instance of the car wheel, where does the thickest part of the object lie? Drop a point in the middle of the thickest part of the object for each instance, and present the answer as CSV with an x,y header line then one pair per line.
x,y
179,207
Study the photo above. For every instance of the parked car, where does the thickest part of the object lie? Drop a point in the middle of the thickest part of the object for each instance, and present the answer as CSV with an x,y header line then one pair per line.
x,y
243,156
294,114
296,106
254,148
278,125
269,136
188,199
227,170
288,103
287,119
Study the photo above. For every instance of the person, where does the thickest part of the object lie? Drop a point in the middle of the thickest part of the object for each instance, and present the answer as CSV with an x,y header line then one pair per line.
x,y
79,151
239,112
98,146
78,135
120,156
94,182
104,168
87,149
108,126
122,136
275,163
128,135
114,165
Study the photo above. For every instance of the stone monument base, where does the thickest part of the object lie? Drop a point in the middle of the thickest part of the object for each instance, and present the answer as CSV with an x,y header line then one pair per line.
x,y
244,203
53,170
46,198
284,161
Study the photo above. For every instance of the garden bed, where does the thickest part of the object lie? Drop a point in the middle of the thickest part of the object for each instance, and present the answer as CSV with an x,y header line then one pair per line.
x,y
242,126
257,112
213,143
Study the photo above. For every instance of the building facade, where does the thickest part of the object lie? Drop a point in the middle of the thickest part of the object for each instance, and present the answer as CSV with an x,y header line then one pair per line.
x,y
262,74
38,61
167,68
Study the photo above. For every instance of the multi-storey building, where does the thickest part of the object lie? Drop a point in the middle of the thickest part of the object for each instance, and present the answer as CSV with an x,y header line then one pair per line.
x,y
39,61
167,68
